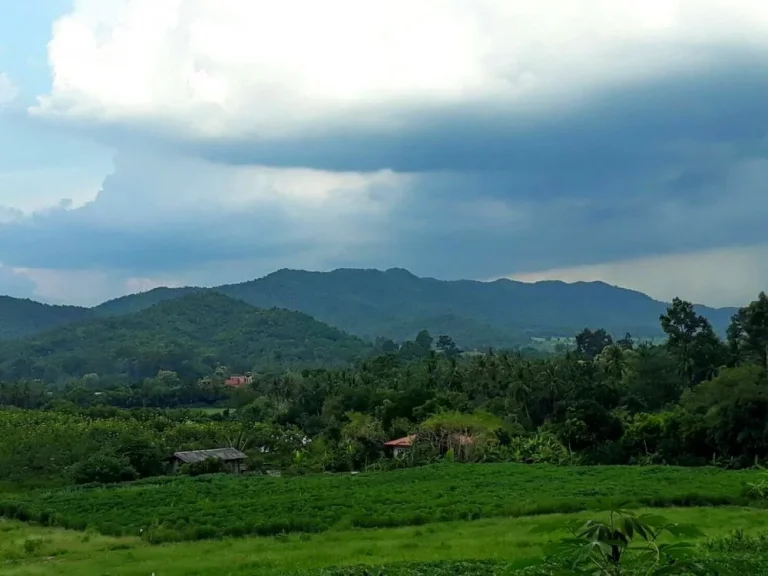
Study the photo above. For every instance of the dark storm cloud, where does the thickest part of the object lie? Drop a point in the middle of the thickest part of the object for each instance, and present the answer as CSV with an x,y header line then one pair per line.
x,y
678,163
614,132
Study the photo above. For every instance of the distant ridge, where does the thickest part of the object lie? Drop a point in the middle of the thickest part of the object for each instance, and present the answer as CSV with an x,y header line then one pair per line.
x,y
396,304
24,317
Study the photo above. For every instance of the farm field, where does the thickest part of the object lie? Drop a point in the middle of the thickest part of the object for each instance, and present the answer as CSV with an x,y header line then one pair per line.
x,y
490,546
186,508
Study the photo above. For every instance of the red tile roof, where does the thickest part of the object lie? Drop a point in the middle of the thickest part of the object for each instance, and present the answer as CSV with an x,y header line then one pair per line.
x,y
238,380
405,442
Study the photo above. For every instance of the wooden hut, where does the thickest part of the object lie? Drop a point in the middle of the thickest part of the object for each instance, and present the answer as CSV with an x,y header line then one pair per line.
x,y
233,458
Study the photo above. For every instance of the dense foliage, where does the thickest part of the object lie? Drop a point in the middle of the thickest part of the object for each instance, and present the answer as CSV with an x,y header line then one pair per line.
x,y
100,445
694,400
187,508
191,336
20,318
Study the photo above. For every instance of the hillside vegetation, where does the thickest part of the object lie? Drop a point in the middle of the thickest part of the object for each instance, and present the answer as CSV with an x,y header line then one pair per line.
x,y
20,318
191,335
397,304
90,454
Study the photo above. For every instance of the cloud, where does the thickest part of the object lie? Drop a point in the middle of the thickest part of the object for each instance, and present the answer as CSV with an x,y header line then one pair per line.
x,y
256,80
8,90
520,137
16,284
719,277
157,215
81,287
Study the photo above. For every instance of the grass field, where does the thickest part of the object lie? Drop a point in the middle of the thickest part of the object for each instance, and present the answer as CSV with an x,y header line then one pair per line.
x,y
184,508
508,541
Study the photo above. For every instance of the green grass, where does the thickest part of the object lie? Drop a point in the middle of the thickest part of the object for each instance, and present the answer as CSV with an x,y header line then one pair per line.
x,y
505,541
177,509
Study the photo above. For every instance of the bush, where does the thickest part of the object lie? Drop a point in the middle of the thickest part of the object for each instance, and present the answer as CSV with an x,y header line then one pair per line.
x,y
104,468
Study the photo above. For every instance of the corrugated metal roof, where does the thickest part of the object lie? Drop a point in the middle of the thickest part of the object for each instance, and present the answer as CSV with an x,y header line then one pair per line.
x,y
192,456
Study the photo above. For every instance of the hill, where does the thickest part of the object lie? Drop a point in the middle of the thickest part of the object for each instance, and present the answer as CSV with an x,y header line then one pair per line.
x,y
23,317
141,301
397,304
190,335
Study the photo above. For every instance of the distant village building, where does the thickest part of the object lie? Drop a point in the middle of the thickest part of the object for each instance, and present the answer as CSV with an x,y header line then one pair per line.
x,y
239,381
399,445
449,441
233,458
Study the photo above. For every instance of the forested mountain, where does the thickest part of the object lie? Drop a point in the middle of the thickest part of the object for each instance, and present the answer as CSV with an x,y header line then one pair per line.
x,y
191,335
20,318
396,304
141,301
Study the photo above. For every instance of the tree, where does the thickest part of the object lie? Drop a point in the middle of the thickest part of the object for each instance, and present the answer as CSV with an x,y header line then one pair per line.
x,y
362,437
104,467
447,346
748,333
652,379
613,361
424,340
735,408
692,341
589,344
464,435
626,343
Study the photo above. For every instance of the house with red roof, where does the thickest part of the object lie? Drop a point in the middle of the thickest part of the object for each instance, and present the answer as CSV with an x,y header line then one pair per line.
x,y
400,445
238,381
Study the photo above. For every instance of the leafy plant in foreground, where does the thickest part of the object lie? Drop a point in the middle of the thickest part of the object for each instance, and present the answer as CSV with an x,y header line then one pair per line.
x,y
627,545
758,490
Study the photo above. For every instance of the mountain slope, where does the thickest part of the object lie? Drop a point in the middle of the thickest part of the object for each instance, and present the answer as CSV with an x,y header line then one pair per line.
x,y
190,335
141,301
372,302
396,304
23,317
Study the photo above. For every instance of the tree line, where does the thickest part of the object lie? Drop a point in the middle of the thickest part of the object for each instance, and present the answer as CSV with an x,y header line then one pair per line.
x,y
695,399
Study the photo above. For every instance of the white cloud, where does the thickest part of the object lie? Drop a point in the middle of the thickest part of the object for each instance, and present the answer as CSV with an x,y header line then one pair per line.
x,y
15,283
82,287
8,90
31,190
152,191
212,68
721,277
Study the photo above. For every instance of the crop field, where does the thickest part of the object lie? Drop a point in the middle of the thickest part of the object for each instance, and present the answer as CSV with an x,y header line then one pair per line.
x,y
482,548
185,509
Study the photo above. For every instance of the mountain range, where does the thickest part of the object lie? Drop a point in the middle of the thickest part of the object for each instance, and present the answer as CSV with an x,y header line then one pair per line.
x,y
396,304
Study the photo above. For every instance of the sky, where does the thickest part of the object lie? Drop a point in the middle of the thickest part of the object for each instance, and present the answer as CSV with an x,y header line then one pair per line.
x,y
202,142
